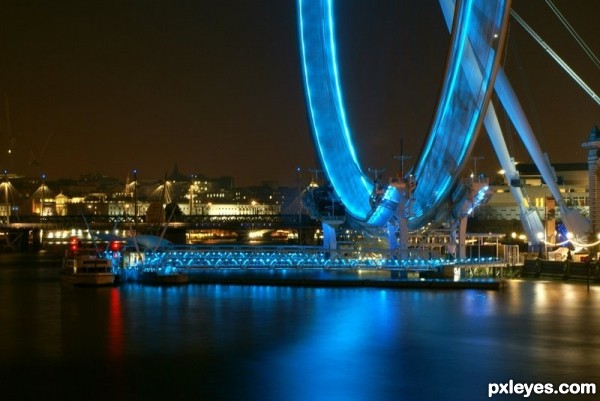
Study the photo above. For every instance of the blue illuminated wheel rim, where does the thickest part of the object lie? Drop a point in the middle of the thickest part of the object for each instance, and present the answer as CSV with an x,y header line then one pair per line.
x,y
479,31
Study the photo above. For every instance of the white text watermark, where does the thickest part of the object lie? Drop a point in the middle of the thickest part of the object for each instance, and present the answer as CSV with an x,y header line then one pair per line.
x,y
527,389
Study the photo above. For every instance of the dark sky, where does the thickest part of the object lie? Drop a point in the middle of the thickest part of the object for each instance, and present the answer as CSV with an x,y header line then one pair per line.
x,y
215,86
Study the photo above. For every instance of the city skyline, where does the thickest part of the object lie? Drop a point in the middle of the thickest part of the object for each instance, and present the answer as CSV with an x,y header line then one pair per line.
x,y
215,87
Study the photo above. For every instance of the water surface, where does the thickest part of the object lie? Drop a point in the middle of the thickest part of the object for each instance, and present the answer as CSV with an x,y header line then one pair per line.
x,y
210,342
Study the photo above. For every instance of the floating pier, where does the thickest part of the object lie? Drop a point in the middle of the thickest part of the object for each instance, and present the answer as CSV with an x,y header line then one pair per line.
x,y
315,267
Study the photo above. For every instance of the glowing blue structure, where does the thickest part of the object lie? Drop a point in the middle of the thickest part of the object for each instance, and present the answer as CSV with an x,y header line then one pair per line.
x,y
480,27
183,258
324,97
532,224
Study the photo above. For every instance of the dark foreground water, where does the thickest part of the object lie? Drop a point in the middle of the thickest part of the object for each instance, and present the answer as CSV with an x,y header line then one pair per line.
x,y
211,342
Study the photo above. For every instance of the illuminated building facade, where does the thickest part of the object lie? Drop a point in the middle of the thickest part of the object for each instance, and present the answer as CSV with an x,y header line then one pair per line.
x,y
593,147
197,196
501,209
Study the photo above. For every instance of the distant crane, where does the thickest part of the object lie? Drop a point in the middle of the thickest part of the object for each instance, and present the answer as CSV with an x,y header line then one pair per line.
x,y
35,159
10,138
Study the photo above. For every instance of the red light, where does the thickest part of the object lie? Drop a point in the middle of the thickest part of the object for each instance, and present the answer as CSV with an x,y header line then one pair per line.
x,y
74,243
115,246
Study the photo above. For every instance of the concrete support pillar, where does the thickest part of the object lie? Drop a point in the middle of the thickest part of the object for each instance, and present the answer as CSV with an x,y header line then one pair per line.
x,y
329,240
398,237
462,238
403,235
458,238
392,232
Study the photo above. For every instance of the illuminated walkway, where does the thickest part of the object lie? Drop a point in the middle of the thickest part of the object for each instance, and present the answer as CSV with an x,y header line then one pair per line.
x,y
253,257
313,267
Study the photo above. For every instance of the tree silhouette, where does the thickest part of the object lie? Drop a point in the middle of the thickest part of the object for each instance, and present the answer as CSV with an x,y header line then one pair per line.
x,y
173,212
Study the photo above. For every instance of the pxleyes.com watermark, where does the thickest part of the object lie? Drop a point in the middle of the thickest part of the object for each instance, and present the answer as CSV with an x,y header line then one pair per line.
x,y
527,389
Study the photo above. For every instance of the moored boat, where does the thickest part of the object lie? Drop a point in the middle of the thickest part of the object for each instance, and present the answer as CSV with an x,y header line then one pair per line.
x,y
86,267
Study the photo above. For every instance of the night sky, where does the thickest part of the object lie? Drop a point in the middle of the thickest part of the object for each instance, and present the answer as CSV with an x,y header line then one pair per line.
x,y
215,86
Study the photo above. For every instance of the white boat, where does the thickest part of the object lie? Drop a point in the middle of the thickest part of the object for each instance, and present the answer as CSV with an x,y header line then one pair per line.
x,y
87,267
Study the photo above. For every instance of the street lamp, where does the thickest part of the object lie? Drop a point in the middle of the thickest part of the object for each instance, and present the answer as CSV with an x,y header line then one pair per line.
x,y
475,159
135,202
540,237
298,170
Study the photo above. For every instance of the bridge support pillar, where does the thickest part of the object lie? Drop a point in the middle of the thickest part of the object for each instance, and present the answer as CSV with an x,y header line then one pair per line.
x,y
458,238
35,239
462,238
398,237
329,240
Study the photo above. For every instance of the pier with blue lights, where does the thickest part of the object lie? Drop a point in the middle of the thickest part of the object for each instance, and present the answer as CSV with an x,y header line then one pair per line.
x,y
314,266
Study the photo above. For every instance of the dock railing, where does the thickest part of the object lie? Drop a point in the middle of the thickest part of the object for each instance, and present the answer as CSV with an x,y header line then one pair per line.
x,y
301,257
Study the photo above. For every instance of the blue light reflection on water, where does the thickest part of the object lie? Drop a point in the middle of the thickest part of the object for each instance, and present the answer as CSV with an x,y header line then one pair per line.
x,y
330,344
284,343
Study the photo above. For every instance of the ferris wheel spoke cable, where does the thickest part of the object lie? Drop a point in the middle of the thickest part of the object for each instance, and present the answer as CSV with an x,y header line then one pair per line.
x,y
574,33
556,57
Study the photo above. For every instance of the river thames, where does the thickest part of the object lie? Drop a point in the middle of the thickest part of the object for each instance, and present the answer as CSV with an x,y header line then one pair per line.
x,y
218,342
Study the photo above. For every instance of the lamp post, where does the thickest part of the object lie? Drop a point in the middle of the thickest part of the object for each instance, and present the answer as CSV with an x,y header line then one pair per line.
x,y
6,200
569,238
475,159
540,237
299,208
316,172
43,195
135,203
402,157
376,173
193,187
